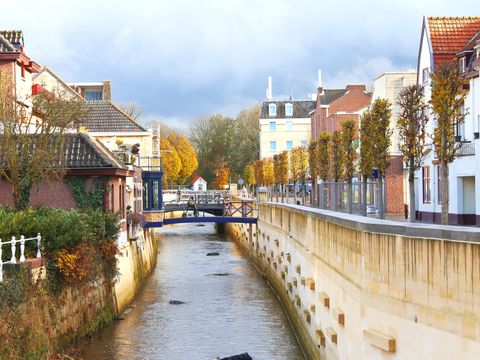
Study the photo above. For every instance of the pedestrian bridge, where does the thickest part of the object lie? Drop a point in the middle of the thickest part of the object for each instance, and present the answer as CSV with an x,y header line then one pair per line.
x,y
186,206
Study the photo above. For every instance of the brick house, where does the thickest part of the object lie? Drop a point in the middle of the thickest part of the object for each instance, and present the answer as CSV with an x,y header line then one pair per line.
x,y
333,106
452,39
17,66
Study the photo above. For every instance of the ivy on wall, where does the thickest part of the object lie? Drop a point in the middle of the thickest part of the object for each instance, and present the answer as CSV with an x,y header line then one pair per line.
x,y
85,198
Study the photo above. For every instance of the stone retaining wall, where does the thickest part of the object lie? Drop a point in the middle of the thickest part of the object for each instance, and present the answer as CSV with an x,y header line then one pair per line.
x,y
356,287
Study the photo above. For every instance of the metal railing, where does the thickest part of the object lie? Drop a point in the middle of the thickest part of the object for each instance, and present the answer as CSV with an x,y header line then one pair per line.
x,y
200,197
466,149
149,163
13,243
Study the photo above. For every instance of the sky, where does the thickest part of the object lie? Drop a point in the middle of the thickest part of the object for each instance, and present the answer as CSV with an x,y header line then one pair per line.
x,y
184,59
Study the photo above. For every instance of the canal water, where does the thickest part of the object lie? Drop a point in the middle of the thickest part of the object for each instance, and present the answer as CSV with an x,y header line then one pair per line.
x,y
228,308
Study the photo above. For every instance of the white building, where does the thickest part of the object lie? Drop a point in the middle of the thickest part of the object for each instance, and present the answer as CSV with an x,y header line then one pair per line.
x,y
444,39
284,124
199,184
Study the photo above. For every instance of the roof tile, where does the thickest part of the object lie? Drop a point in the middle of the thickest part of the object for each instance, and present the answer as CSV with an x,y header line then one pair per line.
x,y
104,116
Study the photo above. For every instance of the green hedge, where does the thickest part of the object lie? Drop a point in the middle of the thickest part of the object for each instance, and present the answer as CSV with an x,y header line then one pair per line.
x,y
63,230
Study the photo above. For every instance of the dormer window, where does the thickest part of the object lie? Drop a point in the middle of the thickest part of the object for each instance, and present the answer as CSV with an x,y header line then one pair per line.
x,y
288,109
478,54
272,110
461,65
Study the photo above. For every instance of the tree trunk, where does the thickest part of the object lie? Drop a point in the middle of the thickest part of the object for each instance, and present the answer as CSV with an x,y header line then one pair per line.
x,y
381,204
444,182
411,188
21,195
287,193
313,197
364,195
295,192
349,196
282,189
334,193
304,186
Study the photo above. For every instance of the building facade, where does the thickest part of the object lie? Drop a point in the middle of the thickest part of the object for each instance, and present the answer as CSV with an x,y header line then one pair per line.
x,y
284,125
388,86
445,39
334,106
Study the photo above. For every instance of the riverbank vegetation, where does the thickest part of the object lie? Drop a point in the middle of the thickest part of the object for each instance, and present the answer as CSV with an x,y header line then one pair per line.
x,y
79,251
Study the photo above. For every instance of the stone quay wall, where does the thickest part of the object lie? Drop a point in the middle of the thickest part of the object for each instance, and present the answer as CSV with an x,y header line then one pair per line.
x,y
362,288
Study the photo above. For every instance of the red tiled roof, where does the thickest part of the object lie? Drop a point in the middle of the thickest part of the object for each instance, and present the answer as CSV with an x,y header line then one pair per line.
x,y
449,35
196,178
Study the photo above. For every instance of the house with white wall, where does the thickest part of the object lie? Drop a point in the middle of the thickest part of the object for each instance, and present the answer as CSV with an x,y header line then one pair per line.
x,y
284,123
199,184
445,39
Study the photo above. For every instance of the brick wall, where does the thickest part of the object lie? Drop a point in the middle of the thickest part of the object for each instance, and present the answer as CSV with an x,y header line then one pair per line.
x,y
329,119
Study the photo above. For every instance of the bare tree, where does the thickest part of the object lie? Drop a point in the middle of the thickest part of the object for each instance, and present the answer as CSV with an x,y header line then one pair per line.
x,y
132,109
448,96
412,129
31,140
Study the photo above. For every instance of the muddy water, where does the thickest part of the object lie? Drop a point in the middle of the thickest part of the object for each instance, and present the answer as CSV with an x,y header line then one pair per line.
x,y
228,307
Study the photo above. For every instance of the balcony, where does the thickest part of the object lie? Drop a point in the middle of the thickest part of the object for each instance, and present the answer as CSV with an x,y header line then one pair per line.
x,y
466,149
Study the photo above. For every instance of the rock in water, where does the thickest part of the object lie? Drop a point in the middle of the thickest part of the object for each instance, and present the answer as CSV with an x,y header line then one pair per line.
x,y
213,254
243,356
176,302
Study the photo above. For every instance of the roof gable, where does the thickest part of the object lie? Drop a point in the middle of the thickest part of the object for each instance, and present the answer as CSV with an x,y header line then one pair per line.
x,y
198,178
46,70
104,116
449,35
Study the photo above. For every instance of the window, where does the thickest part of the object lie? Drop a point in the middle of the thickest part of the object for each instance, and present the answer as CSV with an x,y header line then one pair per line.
x,y
93,95
289,126
288,109
272,110
425,75
304,143
426,184
273,126
461,64
23,71
273,146
289,145
478,54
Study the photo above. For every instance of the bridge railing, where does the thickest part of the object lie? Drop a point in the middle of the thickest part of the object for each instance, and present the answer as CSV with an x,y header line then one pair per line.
x,y
201,197
13,249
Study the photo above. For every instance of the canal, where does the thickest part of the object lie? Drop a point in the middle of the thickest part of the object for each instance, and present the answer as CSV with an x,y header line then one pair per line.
x,y
228,309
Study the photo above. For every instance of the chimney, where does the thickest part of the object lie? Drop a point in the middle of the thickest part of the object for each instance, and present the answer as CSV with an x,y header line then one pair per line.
x,y
107,95
319,87
269,89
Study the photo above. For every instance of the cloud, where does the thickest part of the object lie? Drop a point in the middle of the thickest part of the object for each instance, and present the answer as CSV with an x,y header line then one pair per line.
x,y
188,58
